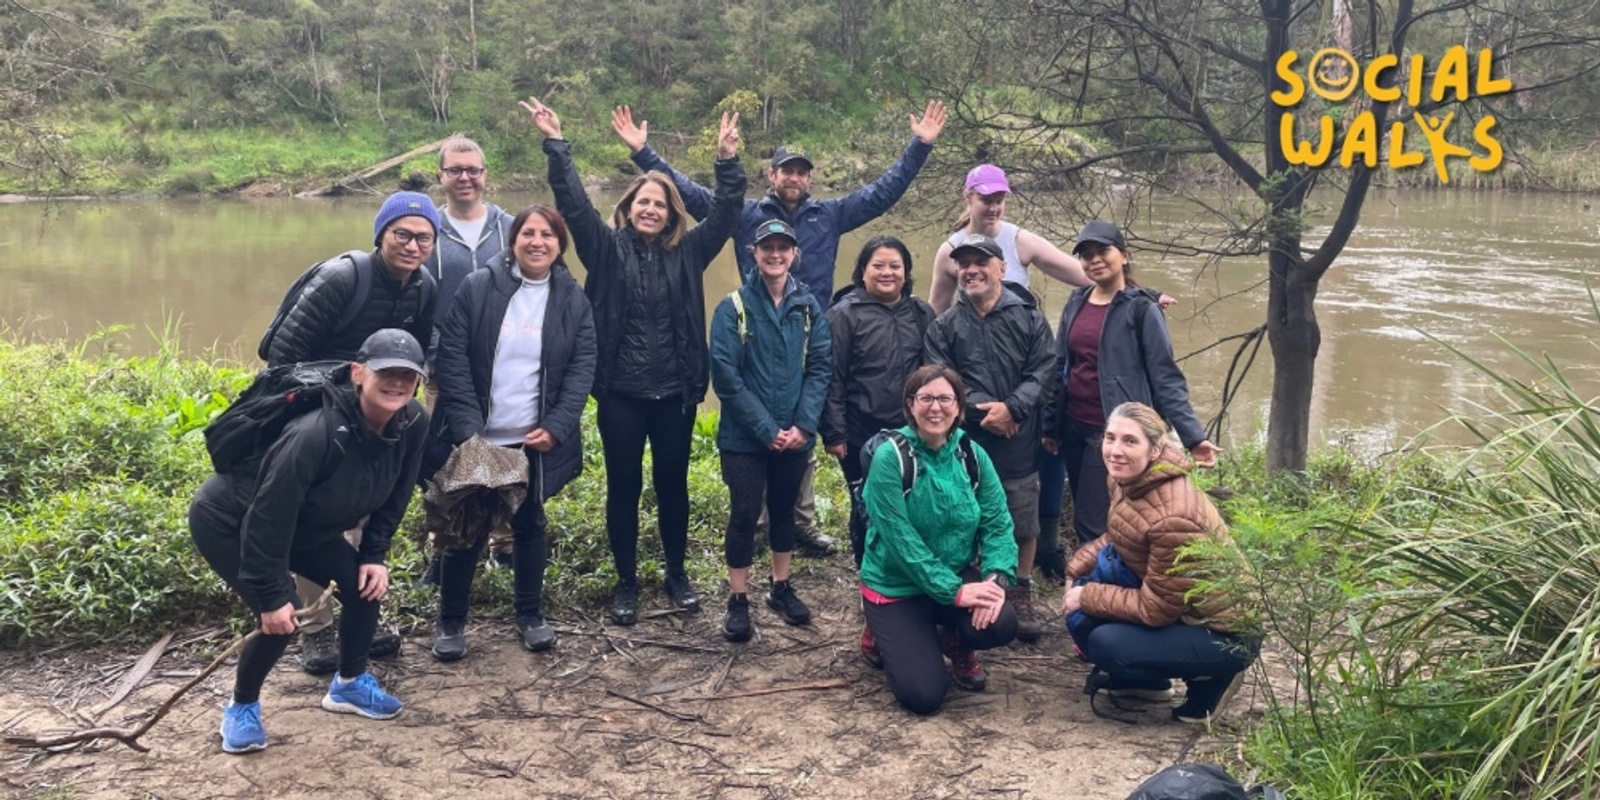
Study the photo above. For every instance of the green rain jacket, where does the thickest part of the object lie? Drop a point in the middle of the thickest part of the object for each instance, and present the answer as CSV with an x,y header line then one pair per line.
x,y
919,543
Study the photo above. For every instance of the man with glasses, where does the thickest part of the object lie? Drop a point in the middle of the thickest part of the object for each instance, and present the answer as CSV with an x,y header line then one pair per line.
x,y
472,231
995,338
348,298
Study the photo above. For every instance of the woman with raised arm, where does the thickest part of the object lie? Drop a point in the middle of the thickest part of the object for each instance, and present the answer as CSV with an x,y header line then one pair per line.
x,y
646,283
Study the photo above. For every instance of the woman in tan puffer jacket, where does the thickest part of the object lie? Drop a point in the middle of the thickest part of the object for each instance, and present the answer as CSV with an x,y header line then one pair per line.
x,y
1146,623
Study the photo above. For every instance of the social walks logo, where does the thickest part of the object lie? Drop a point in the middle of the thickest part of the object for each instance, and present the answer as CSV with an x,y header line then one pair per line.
x,y
1335,76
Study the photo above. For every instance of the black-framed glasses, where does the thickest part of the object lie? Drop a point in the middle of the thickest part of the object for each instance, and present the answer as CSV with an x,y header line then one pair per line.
x,y
925,400
404,237
456,172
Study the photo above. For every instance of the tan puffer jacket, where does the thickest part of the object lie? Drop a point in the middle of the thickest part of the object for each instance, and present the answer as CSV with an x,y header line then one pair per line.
x,y
1151,518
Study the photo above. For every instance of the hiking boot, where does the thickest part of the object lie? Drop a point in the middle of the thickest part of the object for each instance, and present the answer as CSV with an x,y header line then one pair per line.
x,y
1021,598
1051,565
502,559
449,640
537,635
1205,698
385,643
319,651
813,543
625,602
241,728
736,624
782,599
965,667
361,695
869,648
1150,692
681,592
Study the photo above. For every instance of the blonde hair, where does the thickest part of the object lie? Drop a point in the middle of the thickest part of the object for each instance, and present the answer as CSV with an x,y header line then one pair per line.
x,y
1156,430
461,144
676,213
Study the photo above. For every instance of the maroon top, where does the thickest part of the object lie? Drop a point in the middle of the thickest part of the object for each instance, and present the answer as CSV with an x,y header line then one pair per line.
x,y
1083,377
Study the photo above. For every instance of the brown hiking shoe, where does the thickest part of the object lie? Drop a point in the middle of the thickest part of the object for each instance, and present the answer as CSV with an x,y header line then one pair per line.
x,y
1021,598
869,648
965,666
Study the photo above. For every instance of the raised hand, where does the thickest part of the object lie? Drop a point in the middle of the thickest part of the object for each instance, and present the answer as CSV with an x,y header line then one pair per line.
x,y
932,123
543,118
728,136
634,136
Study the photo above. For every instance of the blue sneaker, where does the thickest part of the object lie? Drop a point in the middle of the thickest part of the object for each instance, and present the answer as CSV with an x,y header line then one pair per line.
x,y
241,728
361,695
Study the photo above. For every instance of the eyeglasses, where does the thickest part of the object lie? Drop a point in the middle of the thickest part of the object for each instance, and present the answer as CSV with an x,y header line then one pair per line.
x,y
926,400
405,237
456,172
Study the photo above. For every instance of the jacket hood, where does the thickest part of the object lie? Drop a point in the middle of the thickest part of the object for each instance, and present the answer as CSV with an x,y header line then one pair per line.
x,y
1169,464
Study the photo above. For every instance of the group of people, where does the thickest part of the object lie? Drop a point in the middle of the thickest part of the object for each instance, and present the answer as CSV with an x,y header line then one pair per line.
x,y
943,418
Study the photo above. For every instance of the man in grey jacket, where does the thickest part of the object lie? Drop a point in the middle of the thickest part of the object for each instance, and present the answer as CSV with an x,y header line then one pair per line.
x,y
996,339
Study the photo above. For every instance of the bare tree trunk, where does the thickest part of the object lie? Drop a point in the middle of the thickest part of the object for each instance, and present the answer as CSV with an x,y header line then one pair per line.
x,y
1295,337
472,31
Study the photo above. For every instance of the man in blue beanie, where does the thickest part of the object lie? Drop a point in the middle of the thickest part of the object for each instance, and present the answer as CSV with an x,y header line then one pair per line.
x,y
335,306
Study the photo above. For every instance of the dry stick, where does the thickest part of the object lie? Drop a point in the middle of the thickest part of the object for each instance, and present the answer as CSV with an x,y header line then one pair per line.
x,y
798,687
691,648
140,669
681,717
131,738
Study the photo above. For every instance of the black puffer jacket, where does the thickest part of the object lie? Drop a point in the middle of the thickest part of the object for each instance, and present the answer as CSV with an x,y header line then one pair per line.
x,y
1005,355
309,331
876,347
327,471
464,368
615,260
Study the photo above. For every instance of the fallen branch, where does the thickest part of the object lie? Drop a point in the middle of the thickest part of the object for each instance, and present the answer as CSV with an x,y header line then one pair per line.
x,y
797,687
681,717
140,669
131,737
340,185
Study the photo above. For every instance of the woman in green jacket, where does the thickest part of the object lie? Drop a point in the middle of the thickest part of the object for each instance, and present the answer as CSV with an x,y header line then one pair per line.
x,y
922,595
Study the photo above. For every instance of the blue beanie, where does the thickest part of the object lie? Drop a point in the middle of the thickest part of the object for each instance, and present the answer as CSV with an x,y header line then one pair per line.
x,y
404,204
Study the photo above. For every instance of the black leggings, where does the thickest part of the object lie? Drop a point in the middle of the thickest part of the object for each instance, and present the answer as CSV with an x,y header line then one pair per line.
x,y
749,477
333,561
1086,474
625,423
907,633
529,555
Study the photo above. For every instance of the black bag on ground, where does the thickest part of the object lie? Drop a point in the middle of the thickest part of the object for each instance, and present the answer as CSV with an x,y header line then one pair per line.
x,y
256,419
1198,782
910,467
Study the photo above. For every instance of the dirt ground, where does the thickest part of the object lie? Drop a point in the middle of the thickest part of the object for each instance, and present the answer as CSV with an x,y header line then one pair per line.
x,y
664,709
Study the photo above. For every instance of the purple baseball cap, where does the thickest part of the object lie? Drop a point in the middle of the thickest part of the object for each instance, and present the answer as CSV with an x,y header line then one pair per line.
x,y
987,179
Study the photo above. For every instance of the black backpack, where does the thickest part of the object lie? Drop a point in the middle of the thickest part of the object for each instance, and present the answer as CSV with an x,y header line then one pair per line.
x,y
910,468
362,261
242,433
1198,782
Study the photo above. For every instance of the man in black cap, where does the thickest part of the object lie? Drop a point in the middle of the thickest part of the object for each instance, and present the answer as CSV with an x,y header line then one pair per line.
x,y
818,224
996,339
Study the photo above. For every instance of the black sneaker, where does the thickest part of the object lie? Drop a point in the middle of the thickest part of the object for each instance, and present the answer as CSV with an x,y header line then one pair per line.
x,y
537,635
625,602
736,625
782,599
449,640
681,592
813,543
384,643
319,652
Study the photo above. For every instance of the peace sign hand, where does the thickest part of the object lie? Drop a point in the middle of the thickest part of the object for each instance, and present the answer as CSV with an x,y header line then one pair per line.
x,y
543,118
728,136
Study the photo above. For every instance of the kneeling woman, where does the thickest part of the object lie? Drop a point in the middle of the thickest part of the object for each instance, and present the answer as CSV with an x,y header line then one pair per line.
x,y
924,599
516,362
356,456
771,356
1142,622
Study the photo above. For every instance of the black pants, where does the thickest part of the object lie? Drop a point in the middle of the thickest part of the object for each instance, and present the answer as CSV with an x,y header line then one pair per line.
x,y
749,476
907,632
625,424
334,561
1086,474
850,465
1140,655
529,555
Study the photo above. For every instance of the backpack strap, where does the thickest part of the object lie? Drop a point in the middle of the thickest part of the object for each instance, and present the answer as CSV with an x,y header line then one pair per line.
x,y
908,459
969,460
362,261
738,314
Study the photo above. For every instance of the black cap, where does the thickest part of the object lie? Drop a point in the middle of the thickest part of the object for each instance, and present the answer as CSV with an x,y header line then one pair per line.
x,y
788,153
392,347
775,227
979,243
1101,232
